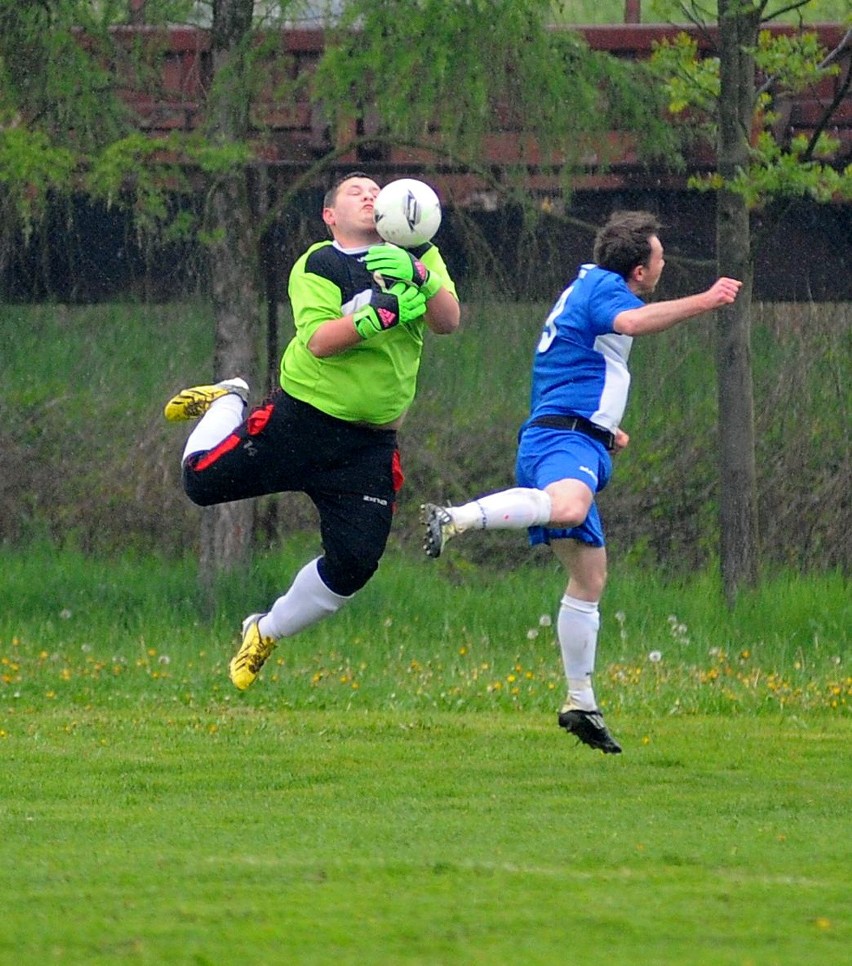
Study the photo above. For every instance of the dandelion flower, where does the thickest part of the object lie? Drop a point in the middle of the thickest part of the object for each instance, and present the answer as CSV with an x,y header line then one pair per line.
x,y
655,657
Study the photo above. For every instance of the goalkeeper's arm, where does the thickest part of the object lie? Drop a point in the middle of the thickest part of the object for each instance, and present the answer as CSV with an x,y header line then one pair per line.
x,y
385,310
442,307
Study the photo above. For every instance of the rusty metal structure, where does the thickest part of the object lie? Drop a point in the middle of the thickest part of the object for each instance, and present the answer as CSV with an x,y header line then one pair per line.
x,y
295,134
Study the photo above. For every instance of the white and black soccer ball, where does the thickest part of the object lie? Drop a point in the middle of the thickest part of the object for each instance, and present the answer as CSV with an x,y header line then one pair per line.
x,y
408,212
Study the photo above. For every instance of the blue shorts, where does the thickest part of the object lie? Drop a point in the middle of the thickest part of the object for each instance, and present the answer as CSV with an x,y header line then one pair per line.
x,y
548,455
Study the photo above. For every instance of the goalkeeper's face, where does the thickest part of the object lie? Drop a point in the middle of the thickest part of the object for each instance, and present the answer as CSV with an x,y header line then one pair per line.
x,y
350,218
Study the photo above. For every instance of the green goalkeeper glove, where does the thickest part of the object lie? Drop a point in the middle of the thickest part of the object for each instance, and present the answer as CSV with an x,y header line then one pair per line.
x,y
399,265
400,303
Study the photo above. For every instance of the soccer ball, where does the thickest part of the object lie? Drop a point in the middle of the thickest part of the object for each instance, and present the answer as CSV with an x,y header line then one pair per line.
x,y
408,213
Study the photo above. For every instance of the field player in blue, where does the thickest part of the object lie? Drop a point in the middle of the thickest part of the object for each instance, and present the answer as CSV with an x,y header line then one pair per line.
x,y
580,383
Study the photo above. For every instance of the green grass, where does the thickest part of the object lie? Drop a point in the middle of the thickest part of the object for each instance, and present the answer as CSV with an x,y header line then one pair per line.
x,y
420,637
227,835
394,790
91,463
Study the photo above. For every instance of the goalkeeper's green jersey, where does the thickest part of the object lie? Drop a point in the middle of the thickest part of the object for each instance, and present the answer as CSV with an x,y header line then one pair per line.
x,y
374,381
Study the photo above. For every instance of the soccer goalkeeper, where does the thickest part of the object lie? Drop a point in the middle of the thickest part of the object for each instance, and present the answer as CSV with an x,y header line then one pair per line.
x,y
347,379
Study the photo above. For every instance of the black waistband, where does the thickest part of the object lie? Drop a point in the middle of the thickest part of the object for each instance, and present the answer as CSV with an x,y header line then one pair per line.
x,y
310,414
579,424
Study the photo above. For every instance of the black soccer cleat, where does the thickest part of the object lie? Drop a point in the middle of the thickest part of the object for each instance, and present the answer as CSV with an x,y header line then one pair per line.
x,y
589,727
438,526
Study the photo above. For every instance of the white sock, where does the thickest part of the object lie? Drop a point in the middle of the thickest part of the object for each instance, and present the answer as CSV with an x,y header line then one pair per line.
x,y
514,509
222,418
307,601
577,629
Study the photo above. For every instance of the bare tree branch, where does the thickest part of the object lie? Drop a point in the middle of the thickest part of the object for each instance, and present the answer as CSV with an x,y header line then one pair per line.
x,y
780,13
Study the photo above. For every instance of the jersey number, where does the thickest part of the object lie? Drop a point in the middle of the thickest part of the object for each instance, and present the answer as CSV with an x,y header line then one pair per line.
x,y
548,333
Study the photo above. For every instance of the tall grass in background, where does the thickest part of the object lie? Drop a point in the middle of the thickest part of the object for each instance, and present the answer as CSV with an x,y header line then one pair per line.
x,y
661,508
89,462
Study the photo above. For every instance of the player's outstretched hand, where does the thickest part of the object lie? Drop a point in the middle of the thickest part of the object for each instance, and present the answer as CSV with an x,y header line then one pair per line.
x,y
723,291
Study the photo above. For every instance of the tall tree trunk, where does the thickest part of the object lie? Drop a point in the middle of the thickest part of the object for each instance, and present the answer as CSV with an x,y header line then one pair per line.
x,y
227,531
738,25
235,310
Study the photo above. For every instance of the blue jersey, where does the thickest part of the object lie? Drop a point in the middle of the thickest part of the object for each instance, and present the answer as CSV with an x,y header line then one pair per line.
x,y
580,366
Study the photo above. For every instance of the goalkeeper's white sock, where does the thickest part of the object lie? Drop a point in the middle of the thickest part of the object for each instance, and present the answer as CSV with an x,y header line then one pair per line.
x,y
221,419
577,628
514,509
307,601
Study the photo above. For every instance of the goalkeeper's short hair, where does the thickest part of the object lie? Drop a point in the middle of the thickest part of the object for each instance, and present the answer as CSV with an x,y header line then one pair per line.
x,y
331,194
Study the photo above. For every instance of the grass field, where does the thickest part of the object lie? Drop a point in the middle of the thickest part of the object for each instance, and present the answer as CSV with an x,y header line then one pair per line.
x,y
231,834
394,789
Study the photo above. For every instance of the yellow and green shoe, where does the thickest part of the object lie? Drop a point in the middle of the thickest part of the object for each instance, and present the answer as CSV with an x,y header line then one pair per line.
x,y
194,402
255,649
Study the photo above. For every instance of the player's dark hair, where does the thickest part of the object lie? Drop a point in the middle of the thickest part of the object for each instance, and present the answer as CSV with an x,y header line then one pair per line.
x,y
331,194
624,242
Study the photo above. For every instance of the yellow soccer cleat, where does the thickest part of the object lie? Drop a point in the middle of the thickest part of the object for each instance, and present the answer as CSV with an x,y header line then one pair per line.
x,y
194,402
246,663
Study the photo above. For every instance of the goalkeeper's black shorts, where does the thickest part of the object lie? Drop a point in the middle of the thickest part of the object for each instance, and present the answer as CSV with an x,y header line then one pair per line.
x,y
350,472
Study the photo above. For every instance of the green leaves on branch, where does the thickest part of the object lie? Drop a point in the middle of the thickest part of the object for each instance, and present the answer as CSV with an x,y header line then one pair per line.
x,y
145,176
216,159
30,168
786,173
790,63
52,80
124,175
446,75
691,82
